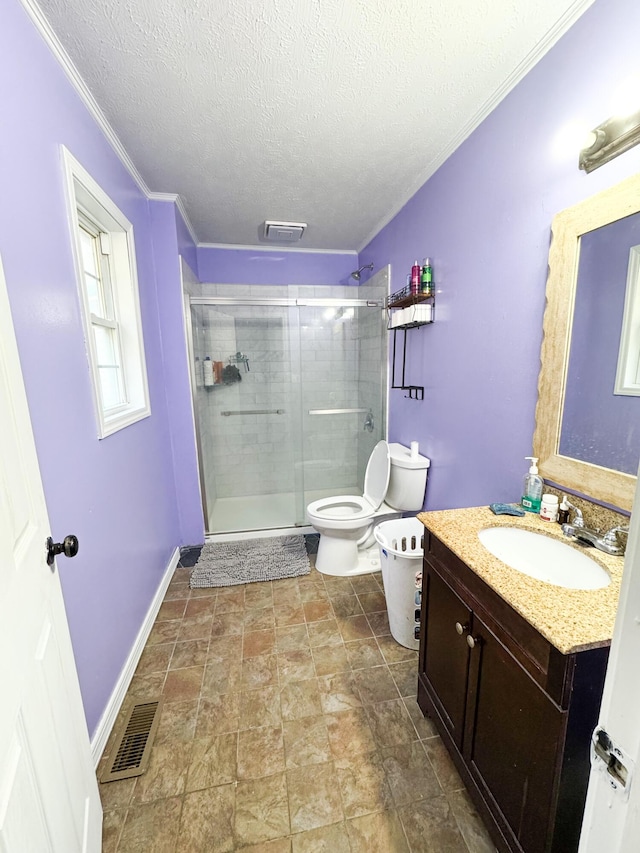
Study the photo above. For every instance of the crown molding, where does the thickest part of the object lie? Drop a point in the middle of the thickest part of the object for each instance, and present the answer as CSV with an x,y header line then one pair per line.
x,y
520,71
65,61
73,75
177,200
261,248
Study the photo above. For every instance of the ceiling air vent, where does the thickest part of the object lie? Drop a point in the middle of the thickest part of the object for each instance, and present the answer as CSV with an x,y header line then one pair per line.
x,y
283,232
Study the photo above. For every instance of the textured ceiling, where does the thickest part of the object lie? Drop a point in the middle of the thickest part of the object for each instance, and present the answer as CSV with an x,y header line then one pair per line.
x,y
332,112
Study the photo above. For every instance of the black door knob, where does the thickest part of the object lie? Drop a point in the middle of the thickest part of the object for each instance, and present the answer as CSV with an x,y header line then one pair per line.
x,y
69,547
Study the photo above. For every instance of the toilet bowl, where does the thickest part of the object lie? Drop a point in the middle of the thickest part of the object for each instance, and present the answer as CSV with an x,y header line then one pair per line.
x,y
394,483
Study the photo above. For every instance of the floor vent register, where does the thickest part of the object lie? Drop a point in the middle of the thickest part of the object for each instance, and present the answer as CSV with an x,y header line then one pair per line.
x,y
134,738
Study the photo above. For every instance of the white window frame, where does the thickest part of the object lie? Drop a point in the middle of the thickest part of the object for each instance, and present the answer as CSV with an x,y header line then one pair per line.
x,y
628,371
90,205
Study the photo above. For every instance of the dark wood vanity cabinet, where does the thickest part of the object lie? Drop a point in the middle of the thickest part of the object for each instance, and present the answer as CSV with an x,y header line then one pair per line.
x,y
515,713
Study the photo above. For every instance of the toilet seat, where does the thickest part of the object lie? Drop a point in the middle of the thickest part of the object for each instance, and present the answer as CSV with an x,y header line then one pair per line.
x,y
341,510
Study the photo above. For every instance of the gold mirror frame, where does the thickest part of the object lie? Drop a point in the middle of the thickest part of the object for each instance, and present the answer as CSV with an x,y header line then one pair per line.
x,y
567,227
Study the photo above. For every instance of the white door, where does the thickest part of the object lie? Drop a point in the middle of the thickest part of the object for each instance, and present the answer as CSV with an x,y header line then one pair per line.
x,y
612,814
49,797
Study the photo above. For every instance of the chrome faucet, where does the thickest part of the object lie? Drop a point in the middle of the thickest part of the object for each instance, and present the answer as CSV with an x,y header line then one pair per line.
x,y
608,542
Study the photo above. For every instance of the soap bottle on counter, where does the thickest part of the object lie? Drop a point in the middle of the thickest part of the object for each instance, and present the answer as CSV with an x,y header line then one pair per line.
x,y
532,487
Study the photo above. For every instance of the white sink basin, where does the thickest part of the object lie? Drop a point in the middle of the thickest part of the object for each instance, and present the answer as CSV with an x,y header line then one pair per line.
x,y
544,558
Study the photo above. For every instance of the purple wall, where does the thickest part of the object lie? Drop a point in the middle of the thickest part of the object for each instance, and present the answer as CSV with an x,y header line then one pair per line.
x,y
167,248
257,266
118,495
484,218
599,426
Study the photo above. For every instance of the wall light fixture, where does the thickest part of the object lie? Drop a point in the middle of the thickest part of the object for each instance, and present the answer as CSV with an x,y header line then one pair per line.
x,y
612,137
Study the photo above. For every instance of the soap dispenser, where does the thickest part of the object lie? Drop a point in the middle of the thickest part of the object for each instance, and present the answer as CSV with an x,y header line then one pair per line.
x,y
532,488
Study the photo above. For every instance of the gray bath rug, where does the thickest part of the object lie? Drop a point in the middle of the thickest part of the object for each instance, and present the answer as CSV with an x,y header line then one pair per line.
x,y
250,560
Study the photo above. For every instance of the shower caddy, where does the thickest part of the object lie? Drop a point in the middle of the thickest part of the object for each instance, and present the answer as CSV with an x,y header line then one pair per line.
x,y
407,310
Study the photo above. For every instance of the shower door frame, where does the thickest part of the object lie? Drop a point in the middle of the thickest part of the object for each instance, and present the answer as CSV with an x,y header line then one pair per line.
x,y
286,302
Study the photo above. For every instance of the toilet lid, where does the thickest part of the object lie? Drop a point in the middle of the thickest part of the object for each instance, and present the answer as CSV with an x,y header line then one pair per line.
x,y
376,478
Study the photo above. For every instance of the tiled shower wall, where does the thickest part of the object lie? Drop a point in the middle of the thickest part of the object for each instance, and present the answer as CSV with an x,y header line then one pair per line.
x,y
256,454
252,453
329,380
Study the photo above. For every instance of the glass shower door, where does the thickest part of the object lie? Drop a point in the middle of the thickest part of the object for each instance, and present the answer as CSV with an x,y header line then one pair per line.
x,y
246,405
342,397
289,401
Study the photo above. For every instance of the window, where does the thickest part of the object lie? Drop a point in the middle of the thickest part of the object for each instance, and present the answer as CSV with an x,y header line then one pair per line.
x,y
628,372
108,286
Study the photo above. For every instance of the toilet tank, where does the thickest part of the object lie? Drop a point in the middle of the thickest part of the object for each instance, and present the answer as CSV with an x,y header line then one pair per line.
x,y
407,479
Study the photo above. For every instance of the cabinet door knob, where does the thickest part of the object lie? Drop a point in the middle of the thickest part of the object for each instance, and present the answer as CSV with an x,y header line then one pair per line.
x,y
461,628
472,642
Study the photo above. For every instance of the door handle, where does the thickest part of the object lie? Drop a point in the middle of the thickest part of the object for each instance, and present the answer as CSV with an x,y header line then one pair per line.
x,y
68,547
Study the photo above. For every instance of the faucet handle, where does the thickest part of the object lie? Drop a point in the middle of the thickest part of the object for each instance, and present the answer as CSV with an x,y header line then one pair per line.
x,y
611,536
578,520
611,541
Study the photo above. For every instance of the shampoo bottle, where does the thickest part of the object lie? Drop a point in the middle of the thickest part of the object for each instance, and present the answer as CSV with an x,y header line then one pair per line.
x,y
426,277
207,371
415,277
532,488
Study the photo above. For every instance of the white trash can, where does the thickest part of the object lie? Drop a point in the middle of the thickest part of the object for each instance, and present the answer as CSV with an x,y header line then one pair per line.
x,y
401,544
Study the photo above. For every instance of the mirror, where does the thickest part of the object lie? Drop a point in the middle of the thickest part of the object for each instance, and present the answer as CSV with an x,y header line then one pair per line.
x,y
578,407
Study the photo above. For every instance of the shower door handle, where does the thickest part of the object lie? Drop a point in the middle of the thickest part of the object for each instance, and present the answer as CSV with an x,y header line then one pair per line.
x,y
336,411
254,412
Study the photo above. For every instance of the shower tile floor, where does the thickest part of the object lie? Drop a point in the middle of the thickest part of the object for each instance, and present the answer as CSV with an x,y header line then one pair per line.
x,y
289,725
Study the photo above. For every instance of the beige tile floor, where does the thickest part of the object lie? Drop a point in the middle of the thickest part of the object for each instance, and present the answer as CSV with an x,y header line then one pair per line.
x,y
289,725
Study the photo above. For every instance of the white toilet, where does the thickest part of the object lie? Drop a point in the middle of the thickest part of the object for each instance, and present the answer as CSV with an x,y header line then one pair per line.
x,y
394,483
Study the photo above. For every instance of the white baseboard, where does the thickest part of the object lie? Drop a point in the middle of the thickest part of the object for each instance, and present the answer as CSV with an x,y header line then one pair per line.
x,y
108,718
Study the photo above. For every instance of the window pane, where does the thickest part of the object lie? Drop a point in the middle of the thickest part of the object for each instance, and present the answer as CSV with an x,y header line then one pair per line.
x,y
106,347
87,246
92,286
93,276
110,387
107,290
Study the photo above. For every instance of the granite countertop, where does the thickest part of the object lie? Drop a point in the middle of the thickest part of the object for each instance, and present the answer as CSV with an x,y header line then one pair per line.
x,y
572,620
